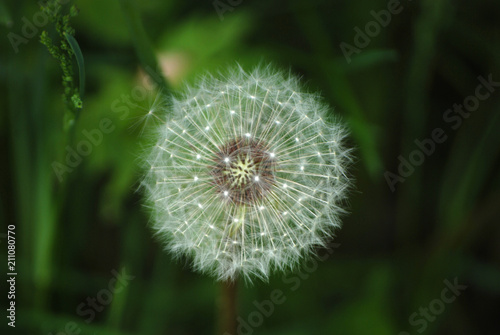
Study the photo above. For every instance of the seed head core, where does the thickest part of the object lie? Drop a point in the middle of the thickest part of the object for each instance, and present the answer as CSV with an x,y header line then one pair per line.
x,y
243,171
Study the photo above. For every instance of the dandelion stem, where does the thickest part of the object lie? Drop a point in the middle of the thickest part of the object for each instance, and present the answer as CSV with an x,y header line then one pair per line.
x,y
228,307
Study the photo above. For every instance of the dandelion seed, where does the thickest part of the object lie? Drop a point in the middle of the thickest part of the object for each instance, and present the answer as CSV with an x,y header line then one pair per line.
x,y
251,205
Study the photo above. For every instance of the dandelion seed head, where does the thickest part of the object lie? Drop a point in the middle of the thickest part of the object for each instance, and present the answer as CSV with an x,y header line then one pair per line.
x,y
253,190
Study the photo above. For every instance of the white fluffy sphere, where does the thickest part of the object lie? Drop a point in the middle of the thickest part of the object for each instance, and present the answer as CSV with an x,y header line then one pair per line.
x,y
247,174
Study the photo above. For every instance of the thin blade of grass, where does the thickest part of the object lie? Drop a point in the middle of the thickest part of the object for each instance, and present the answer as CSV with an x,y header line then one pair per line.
x,y
79,60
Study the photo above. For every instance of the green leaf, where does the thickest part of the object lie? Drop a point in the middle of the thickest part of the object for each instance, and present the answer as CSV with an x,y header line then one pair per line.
x,y
79,60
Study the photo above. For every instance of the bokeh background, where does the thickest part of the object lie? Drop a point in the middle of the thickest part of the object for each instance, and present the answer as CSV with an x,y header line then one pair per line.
x,y
397,248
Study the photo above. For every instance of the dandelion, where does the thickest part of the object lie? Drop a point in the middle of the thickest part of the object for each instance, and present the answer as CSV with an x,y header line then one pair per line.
x,y
247,175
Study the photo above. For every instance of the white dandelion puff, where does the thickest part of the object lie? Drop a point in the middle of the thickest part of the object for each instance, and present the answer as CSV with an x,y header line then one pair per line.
x,y
248,175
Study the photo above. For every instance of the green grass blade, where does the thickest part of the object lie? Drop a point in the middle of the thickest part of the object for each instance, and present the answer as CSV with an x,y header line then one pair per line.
x,y
79,60
142,44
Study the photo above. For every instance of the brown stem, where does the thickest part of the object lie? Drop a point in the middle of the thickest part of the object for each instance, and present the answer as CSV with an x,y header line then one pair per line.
x,y
228,308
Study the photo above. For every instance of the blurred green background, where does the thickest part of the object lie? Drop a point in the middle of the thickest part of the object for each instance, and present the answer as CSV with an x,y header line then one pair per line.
x,y
397,248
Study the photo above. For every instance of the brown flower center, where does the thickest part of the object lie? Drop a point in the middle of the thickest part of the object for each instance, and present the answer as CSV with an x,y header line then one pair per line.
x,y
243,171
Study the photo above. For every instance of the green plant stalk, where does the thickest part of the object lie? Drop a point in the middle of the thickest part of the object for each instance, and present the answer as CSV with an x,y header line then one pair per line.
x,y
22,160
63,52
45,205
